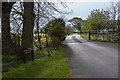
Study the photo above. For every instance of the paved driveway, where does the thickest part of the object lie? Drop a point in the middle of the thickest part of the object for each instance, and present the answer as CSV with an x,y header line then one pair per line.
x,y
91,59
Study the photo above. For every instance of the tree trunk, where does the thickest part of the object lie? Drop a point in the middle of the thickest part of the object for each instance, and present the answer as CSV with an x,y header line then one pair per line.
x,y
119,28
28,25
18,40
6,37
39,37
46,40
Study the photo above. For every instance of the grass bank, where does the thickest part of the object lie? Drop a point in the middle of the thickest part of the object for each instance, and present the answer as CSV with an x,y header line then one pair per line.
x,y
69,35
84,36
44,67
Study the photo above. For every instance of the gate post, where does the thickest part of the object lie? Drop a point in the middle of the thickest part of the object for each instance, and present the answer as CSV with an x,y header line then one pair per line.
x,y
89,34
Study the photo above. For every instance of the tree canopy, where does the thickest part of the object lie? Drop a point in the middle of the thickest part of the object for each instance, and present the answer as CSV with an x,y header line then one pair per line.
x,y
98,19
76,22
68,30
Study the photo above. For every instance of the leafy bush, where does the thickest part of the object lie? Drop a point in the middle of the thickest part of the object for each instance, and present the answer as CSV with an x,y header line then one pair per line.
x,y
9,62
57,29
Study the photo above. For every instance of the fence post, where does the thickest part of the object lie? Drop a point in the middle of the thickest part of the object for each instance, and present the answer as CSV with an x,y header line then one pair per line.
x,y
103,34
89,34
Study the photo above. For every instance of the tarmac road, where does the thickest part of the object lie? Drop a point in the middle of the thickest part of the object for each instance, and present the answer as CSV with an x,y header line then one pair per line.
x,y
91,59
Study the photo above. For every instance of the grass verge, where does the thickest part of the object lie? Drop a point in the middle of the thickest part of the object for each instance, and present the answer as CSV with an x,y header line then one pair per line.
x,y
45,67
84,36
68,35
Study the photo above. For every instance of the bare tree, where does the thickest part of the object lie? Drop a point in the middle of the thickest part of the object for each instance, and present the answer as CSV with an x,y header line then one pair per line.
x,y
113,10
118,20
46,11
16,22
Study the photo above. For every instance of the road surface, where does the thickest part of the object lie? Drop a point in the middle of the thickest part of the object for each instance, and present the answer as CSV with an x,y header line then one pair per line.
x,y
91,59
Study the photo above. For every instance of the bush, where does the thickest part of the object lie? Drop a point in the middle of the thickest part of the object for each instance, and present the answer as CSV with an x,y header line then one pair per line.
x,y
9,62
8,58
55,42
56,30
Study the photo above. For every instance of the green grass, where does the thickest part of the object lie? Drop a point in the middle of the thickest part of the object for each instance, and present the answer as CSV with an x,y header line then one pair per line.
x,y
68,35
9,62
45,67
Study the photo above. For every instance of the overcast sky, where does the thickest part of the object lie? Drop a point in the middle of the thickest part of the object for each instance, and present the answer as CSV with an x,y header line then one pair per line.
x,y
83,9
